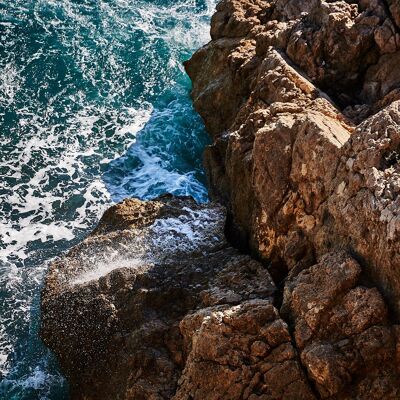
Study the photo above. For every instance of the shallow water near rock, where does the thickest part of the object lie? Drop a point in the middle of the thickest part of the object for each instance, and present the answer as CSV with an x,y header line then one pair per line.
x,y
94,107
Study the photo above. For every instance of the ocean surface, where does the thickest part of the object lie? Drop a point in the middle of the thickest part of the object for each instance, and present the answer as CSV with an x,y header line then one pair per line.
x,y
94,107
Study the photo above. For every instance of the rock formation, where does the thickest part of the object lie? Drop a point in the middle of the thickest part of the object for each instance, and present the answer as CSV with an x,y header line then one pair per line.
x,y
341,331
302,101
126,309
155,304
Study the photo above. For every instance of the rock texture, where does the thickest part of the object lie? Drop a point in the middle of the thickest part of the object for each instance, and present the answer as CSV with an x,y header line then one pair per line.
x,y
301,99
240,352
157,290
155,304
342,332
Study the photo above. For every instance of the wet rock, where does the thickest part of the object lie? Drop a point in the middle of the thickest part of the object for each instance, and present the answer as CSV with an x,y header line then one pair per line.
x,y
168,312
130,310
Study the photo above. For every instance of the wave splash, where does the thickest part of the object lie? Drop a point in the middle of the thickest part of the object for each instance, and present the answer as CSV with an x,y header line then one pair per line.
x,y
94,107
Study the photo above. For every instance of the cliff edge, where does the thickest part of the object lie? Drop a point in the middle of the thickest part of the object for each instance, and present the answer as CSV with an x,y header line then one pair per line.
x,y
302,102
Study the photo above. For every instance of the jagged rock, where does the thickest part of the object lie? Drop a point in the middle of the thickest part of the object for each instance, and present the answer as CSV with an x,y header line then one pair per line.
x,y
155,304
303,89
151,291
383,78
240,352
301,99
342,331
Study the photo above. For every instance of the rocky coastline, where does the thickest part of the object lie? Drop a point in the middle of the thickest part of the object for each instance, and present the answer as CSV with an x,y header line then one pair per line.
x,y
287,284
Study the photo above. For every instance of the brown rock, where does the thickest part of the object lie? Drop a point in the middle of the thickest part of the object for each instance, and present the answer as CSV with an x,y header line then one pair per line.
x,y
284,155
365,207
394,6
240,352
342,331
156,295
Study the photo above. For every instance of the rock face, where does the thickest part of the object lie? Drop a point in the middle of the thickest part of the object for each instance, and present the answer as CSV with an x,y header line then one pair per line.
x,y
149,294
155,304
301,99
341,331
240,352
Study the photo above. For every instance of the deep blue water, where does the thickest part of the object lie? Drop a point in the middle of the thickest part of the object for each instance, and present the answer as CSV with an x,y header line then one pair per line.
x,y
94,107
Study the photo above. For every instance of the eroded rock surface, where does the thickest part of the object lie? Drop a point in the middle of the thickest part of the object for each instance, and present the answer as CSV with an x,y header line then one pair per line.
x,y
342,332
149,294
240,352
301,99
155,304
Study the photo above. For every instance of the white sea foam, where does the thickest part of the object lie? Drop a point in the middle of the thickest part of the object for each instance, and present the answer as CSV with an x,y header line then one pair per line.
x,y
52,189
33,196
188,232
10,84
104,267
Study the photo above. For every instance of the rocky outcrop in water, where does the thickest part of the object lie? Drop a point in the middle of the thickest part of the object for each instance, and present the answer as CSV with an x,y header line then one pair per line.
x,y
302,101
155,304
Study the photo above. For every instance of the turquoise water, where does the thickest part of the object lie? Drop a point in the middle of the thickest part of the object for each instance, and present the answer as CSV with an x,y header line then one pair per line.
x,y
94,107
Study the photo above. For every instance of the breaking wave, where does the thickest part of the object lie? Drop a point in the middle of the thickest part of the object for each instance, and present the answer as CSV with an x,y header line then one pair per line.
x,y
94,107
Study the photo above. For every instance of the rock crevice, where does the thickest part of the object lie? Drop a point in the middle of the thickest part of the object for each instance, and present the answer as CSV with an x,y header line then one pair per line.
x,y
306,156
302,102
155,304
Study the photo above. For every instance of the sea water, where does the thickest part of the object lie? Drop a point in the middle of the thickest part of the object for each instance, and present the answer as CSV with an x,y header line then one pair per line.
x,y
94,107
